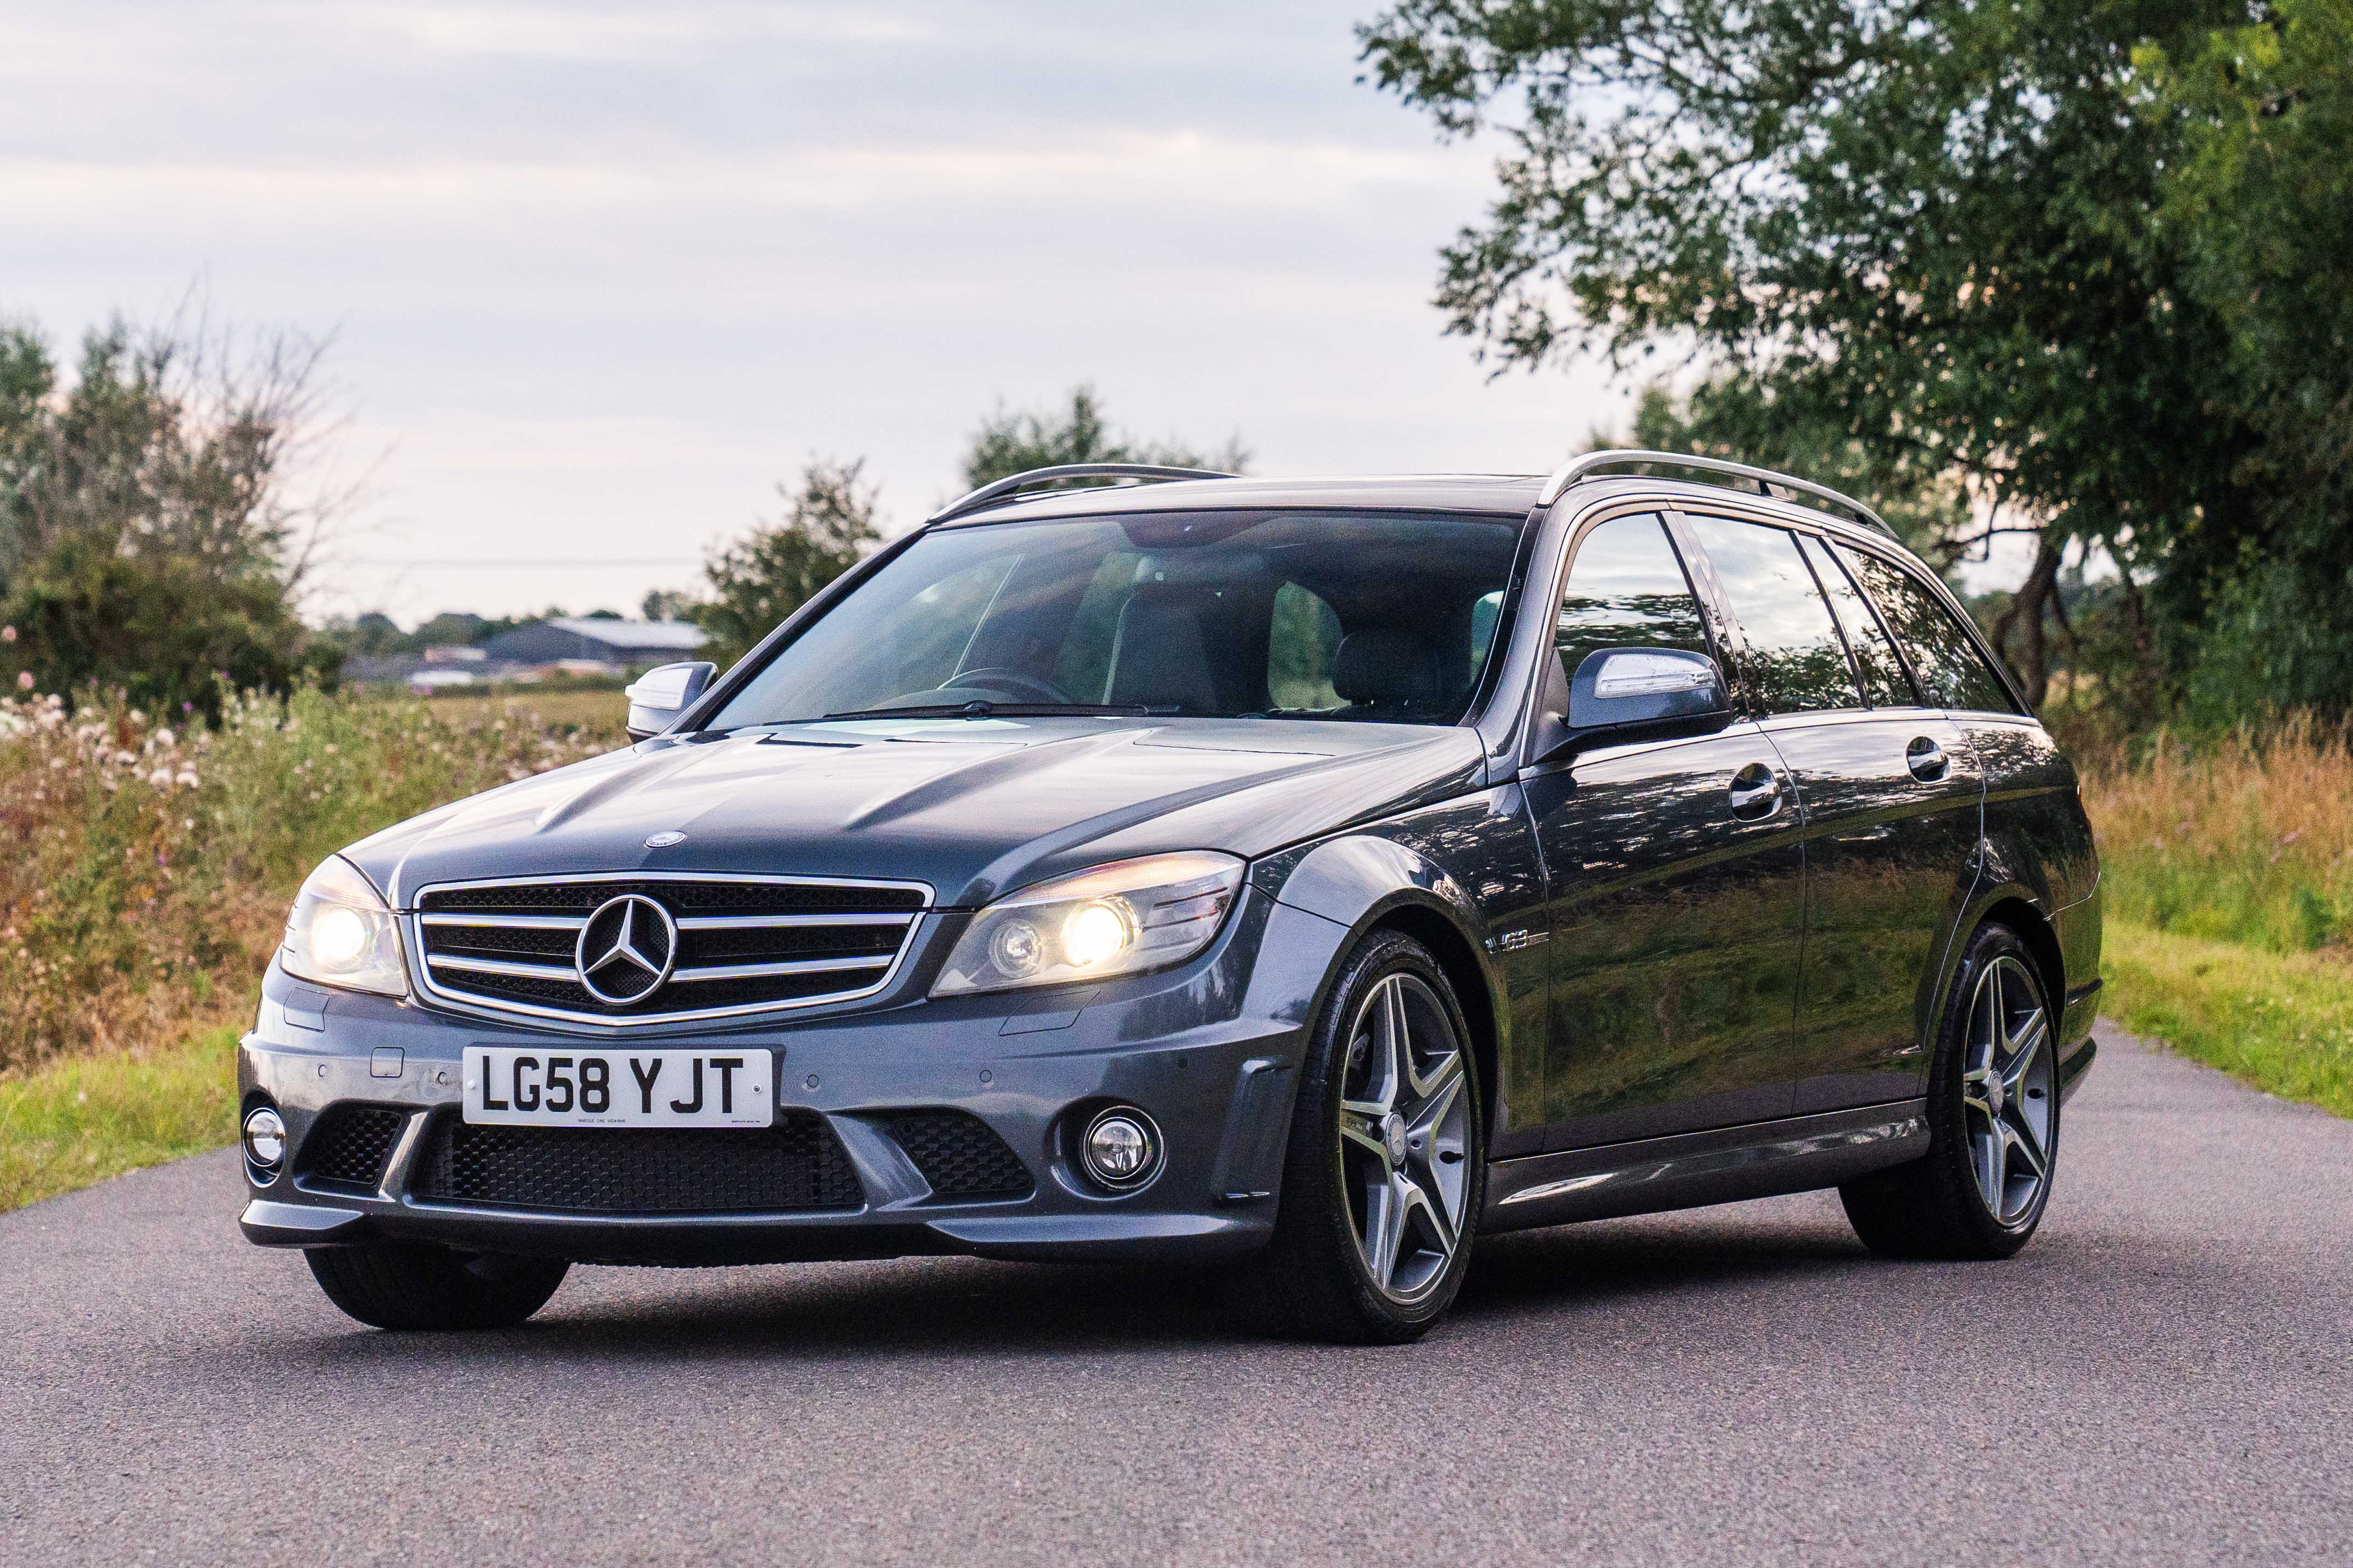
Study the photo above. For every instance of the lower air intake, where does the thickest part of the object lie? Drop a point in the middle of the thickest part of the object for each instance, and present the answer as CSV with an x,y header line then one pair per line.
x,y
797,1164
959,1155
348,1146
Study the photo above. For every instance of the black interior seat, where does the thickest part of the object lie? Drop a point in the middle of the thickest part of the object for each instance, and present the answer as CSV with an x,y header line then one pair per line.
x,y
1160,653
1383,670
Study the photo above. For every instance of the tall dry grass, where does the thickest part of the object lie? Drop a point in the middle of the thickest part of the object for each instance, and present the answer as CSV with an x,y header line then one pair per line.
x,y
2247,838
148,866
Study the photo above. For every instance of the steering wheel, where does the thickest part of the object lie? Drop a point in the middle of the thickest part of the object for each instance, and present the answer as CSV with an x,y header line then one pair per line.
x,y
1014,685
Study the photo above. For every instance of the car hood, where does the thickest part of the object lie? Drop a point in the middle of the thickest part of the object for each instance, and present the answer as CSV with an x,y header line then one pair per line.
x,y
972,807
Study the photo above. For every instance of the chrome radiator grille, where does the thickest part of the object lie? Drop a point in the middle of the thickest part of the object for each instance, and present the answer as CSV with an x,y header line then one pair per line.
x,y
637,948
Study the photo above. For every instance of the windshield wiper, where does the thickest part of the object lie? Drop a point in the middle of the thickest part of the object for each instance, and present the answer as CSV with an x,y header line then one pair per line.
x,y
982,708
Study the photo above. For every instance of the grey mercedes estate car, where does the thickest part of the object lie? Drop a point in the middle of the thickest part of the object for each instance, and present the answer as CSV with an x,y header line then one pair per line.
x,y
1298,878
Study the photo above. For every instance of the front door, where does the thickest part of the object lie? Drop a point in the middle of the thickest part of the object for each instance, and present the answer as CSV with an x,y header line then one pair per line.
x,y
1676,883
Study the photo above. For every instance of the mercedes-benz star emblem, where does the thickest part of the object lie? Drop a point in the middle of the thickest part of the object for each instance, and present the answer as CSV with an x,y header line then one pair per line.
x,y
625,950
664,840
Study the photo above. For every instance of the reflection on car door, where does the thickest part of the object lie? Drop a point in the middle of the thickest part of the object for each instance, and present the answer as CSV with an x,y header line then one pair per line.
x,y
1676,885
1890,791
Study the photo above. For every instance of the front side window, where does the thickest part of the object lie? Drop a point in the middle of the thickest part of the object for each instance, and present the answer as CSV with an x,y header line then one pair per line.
x,y
1952,671
1627,589
1795,654
1367,617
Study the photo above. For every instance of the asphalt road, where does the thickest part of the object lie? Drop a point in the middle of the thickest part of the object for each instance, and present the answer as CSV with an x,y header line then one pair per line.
x,y
2162,1377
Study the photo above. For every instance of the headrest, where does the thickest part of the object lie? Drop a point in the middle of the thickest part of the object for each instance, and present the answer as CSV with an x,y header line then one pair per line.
x,y
1384,667
1159,657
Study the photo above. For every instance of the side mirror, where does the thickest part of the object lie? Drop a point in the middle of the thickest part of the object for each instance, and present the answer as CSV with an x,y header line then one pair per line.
x,y
1622,694
660,696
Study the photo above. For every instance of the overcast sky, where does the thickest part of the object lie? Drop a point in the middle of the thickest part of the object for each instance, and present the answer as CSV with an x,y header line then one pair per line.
x,y
601,275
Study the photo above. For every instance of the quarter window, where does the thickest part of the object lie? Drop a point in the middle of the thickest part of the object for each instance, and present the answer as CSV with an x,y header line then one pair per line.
x,y
1627,590
1795,655
1952,672
1883,680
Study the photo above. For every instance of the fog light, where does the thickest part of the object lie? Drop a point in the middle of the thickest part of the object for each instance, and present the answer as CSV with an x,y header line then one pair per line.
x,y
265,1143
1121,1147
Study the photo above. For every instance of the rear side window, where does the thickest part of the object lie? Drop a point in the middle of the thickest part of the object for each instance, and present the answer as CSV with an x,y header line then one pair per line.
x,y
1627,590
1883,680
1795,655
1952,672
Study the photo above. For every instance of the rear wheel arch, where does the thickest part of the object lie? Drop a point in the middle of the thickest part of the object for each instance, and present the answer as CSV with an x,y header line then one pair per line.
x,y
2035,931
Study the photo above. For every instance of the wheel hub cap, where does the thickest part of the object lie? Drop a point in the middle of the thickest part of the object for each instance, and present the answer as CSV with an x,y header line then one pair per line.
x,y
1393,1134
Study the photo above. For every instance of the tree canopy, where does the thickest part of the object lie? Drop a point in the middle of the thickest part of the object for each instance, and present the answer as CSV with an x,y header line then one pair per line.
x,y
2029,249
150,533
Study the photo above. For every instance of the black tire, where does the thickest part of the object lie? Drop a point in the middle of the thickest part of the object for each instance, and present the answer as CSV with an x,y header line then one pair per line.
x,y
395,1286
1937,1207
1315,1275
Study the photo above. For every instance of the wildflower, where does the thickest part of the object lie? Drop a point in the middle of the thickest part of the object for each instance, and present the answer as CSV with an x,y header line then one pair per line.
x,y
24,680
7,634
165,739
186,776
161,778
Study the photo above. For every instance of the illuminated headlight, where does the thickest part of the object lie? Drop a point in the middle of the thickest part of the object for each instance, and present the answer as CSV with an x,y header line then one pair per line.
x,y
341,933
1119,919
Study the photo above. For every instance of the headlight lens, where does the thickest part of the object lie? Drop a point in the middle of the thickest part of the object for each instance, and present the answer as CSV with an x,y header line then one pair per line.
x,y
1119,919
341,933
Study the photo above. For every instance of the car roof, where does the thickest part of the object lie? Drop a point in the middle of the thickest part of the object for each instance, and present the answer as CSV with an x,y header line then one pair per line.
x,y
1512,496
1509,494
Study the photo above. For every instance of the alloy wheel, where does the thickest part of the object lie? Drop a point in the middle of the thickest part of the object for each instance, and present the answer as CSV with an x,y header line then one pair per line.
x,y
1404,1123
2008,1090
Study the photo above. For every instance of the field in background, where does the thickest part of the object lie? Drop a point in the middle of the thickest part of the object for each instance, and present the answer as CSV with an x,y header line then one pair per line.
x,y
2229,895
152,870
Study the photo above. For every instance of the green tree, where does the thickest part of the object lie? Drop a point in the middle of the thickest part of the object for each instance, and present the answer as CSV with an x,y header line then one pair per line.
x,y
157,625
756,582
161,471
2259,205
1010,443
1953,234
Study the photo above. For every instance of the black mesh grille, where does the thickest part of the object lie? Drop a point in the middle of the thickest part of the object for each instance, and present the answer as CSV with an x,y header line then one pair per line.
x,y
959,1155
797,1164
348,1146
863,952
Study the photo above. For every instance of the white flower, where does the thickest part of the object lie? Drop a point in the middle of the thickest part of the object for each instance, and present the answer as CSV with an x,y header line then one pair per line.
x,y
165,739
24,680
161,778
186,776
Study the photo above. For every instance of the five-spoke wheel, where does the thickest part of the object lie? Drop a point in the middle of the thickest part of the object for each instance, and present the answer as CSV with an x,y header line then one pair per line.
x,y
2006,1090
1387,1166
1993,1119
1403,1119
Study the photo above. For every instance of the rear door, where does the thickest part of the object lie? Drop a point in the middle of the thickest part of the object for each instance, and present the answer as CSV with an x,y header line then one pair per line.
x,y
1891,793
1676,886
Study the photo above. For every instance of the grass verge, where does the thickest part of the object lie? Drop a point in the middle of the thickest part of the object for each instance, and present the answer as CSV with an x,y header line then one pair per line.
x,y
79,1120
2283,1021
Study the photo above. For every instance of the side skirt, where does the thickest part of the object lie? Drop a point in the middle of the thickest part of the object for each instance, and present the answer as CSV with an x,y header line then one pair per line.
x,y
1721,1166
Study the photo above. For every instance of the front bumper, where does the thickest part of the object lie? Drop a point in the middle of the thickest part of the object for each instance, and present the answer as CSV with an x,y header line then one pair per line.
x,y
1210,1050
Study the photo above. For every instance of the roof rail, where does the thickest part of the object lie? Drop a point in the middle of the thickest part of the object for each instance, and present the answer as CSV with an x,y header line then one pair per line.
x,y
1591,463
1002,490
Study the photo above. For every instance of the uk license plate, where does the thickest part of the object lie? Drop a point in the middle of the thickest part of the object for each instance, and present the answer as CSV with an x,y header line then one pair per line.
x,y
533,1086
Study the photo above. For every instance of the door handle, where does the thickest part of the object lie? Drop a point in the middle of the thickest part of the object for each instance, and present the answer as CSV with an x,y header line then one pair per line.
x,y
1926,759
1756,792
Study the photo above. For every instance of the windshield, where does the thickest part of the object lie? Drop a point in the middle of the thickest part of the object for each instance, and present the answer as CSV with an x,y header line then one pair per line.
x,y
1385,617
